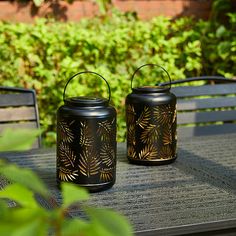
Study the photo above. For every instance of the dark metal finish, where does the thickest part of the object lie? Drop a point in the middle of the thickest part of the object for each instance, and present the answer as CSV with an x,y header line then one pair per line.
x,y
195,195
86,141
207,109
151,124
19,109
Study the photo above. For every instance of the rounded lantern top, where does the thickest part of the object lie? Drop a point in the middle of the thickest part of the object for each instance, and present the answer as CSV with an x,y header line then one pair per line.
x,y
86,101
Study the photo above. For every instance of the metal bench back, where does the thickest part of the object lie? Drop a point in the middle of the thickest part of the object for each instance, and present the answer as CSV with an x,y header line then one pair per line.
x,y
18,109
206,109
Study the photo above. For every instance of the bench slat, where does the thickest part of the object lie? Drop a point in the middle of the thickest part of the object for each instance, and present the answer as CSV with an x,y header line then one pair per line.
x,y
195,104
191,91
184,132
24,125
212,116
17,114
19,99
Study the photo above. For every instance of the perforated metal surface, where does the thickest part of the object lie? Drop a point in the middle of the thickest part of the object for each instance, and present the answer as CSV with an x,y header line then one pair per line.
x,y
200,187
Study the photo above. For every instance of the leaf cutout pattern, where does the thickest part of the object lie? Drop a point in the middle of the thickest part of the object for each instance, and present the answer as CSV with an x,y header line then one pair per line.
x,y
148,152
86,138
166,152
174,116
175,136
65,132
163,114
107,155
131,152
130,114
131,134
89,164
67,174
167,136
66,155
144,118
106,174
150,134
105,130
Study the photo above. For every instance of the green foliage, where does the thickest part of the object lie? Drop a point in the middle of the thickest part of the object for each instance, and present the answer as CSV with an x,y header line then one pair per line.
x,y
38,2
44,55
71,195
24,176
219,39
23,139
30,218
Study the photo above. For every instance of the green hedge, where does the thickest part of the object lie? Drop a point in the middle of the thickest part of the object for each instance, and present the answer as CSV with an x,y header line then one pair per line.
x,y
45,54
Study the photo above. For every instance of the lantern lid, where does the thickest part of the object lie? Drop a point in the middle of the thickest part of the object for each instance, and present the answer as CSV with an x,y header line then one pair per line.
x,y
151,89
86,101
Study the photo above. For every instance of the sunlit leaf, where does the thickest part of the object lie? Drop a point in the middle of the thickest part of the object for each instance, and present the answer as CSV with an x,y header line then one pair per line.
x,y
38,2
221,31
17,139
224,49
108,223
25,177
32,227
4,210
26,223
72,194
20,194
74,227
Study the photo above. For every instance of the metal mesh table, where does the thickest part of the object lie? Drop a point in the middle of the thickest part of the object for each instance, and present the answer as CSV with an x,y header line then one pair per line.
x,y
195,194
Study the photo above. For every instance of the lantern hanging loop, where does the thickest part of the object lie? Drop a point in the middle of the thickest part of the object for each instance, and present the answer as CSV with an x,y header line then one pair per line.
x,y
150,64
88,72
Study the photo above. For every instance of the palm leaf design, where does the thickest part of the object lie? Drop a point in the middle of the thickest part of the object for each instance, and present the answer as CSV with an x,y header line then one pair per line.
x,y
174,116
105,130
66,174
89,164
167,136
175,136
131,152
163,114
150,134
144,118
131,134
106,174
148,152
86,138
66,155
65,132
130,114
107,154
166,152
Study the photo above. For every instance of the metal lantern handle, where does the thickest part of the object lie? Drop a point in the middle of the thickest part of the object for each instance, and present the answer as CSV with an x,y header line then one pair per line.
x,y
150,64
88,72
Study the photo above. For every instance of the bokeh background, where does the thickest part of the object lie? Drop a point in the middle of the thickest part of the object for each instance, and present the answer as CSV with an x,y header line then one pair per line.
x,y
43,43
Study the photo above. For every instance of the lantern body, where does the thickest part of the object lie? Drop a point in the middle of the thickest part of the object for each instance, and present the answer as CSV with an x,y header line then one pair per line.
x,y
151,125
86,143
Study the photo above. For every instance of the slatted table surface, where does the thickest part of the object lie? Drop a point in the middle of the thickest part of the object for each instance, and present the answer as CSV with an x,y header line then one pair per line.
x,y
194,194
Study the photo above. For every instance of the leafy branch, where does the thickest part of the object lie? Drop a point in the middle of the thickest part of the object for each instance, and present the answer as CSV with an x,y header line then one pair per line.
x,y
30,218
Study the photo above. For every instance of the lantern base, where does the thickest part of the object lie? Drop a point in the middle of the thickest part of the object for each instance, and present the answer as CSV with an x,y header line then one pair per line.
x,y
92,188
155,162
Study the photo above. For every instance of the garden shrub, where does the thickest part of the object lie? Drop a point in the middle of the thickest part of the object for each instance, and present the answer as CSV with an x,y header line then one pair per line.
x,y
45,54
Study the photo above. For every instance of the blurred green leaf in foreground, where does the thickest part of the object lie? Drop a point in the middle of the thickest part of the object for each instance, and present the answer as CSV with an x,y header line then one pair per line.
x,y
28,217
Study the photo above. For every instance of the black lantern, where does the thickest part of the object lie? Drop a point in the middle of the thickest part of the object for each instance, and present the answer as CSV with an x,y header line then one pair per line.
x,y
86,141
151,124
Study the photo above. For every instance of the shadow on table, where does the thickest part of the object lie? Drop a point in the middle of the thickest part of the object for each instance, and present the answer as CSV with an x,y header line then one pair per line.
x,y
207,170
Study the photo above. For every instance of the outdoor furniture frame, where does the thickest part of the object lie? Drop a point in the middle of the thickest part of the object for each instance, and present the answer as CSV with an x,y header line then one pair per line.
x,y
19,109
206,109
